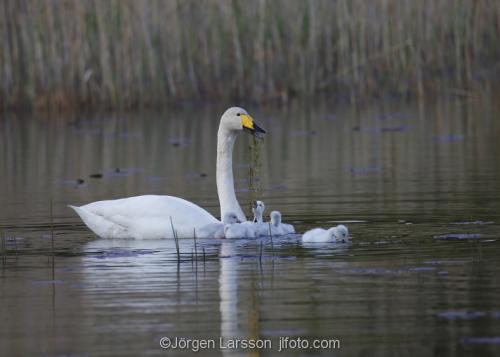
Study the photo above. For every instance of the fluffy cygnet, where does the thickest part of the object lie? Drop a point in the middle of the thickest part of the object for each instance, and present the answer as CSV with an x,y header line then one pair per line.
x,y
339,234
261,228
216,230
236,230
275,227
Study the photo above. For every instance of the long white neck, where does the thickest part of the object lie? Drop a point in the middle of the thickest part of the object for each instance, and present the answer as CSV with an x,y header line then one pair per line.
x,y
225,181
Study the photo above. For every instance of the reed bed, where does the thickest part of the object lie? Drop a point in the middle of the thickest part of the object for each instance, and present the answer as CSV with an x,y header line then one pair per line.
x,y
129,53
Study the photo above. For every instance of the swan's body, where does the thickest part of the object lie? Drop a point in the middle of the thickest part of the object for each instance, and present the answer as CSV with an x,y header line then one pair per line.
x,y
144,217
319,235
150,216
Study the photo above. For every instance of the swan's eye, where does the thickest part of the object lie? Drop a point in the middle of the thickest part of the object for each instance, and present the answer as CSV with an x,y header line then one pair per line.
x,y
238,114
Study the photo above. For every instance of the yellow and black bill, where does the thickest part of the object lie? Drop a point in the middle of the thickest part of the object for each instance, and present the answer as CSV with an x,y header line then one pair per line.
x,y
250,126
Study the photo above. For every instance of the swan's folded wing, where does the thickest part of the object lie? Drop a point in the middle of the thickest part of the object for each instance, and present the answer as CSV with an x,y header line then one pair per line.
x,y
120,221
103,226
148,216
154,206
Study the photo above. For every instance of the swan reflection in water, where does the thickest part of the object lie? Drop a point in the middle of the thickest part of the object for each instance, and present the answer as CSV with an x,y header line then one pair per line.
x,y
140,280
239,319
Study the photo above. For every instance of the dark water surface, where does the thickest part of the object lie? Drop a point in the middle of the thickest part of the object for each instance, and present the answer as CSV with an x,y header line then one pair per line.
x,y
418,182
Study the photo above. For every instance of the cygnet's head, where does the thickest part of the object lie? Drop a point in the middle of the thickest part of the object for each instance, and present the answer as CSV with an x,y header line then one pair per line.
x,y
275,218
236,119
341,233
258,208
230,218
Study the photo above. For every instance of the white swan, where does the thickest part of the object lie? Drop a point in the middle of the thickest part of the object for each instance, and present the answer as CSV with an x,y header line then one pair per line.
x,y
150,216
336,234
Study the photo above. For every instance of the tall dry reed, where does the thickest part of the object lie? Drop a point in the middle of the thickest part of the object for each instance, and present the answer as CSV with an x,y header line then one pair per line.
x,y
125,53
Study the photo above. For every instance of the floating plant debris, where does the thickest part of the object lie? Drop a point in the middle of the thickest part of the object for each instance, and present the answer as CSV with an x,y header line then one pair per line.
x,y
481,340
179,142
95,175
461,314
474,222
121,172
447,262
458,236
192,175
418,269
374,271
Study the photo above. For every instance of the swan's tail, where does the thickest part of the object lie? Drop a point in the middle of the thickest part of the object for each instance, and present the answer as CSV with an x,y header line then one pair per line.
x,y
99,225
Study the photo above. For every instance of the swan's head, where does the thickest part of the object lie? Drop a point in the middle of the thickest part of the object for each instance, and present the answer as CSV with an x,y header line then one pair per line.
x,y
341,233
258,208
275,218
230,218
236,119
